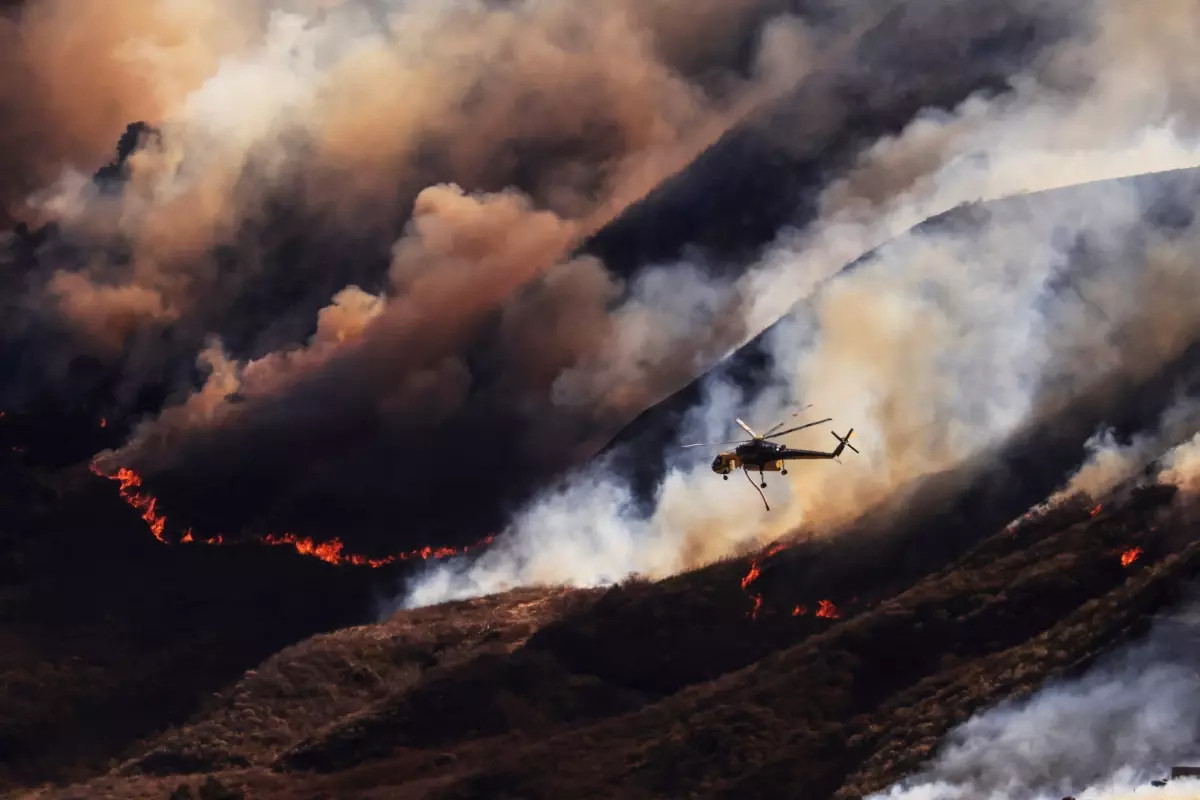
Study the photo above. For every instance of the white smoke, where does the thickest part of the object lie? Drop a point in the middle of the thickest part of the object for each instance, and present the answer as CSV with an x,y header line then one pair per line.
x,y
1123,724
1183,789
935,349
1111,462
1181,466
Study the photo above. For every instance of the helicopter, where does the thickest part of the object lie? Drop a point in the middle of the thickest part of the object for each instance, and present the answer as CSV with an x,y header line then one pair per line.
x,y
758,452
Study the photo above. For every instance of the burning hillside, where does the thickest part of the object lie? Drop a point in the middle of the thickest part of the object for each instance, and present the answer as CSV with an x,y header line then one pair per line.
x,y
377,284
825,608
331,552
489,692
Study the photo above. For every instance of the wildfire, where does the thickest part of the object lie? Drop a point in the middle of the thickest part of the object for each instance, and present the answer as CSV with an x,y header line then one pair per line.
x,y
146,504
1130,556
331,552
1096,510
827,609
1012,527
103,422
752,576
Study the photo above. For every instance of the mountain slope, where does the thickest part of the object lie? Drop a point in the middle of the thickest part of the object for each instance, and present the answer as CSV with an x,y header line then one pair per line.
x,y
65,582
837,706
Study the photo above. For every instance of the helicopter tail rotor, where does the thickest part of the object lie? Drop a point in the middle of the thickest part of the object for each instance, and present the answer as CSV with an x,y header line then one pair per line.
x,y
843,442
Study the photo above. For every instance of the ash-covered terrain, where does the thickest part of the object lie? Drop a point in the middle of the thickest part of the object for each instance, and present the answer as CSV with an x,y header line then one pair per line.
x,y
347,349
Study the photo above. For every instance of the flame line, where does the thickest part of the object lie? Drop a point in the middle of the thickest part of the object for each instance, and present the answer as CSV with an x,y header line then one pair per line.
x,y
825,608
331,552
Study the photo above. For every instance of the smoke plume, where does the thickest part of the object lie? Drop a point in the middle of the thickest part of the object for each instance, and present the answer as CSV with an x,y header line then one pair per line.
x,y
339,115
1123,724
1111,462
1181,466
348,245
337,202
484,318
943,342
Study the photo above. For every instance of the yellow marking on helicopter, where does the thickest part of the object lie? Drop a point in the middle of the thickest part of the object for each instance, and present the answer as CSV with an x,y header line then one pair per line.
x,y
764,455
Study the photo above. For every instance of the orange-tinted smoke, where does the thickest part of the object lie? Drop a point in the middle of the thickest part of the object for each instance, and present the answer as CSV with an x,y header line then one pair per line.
x,y
73,73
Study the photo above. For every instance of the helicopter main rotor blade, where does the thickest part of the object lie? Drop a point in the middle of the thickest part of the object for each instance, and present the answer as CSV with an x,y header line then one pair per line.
x,y
714,444
799,428
793,415
747,428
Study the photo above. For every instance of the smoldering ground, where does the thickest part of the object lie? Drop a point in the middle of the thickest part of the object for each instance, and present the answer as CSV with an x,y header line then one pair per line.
x,y
1124,723
945,343
244,219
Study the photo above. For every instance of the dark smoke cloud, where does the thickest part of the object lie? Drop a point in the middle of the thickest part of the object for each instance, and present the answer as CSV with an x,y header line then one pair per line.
x,y
315,118
289,149
368,249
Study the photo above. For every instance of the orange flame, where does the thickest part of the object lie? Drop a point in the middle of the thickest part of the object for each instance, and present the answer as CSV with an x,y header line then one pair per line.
x,y
827,609
753,574
146,504
750,578
103,422
1096,510
799,610
331,552
1130,556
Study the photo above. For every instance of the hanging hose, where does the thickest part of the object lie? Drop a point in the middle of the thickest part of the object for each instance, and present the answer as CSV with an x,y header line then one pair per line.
x,y
755,485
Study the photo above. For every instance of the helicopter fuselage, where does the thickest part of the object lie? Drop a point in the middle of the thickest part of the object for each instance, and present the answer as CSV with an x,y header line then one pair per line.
x,y
765,456
760,455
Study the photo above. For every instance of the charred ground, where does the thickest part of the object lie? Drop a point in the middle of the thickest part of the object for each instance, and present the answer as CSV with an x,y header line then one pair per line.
x,y
670,688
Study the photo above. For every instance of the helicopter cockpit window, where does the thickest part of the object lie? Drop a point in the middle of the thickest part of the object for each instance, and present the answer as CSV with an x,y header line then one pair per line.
x,y
717,462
